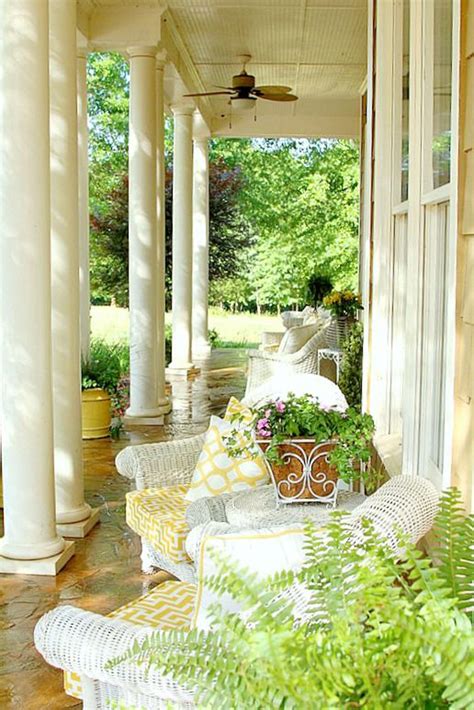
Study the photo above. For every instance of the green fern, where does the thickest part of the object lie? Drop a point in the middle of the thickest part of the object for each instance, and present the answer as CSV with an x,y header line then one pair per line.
x,y
454,535
377,633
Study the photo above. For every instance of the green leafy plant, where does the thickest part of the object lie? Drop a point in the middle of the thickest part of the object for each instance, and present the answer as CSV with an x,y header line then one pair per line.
x,y
107,368
304,417
350,379
318,287
374,632
343,303
213,336
104,366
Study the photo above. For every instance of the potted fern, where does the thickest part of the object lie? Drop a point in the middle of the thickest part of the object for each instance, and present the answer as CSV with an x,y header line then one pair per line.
x,y
308,446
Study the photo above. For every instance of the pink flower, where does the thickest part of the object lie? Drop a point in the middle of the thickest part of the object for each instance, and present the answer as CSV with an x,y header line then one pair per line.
x,y
263,428
280,406
267,413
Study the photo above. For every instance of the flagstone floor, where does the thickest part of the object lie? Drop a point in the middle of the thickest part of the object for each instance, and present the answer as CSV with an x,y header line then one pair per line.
x,y
105,570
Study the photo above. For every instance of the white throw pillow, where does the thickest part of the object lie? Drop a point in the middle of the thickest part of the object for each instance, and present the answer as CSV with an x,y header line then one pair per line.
x,y
295,338
218,472
326,391
264,551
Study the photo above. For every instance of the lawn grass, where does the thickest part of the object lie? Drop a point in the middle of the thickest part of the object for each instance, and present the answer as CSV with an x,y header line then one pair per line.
x,y
234,330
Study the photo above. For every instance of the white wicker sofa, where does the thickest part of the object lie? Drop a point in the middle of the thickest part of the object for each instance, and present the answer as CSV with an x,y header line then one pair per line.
x,y
162,472
81,642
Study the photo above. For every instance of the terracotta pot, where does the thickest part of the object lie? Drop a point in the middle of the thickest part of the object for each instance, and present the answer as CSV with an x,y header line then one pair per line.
x,y
96,418
305,474
338,330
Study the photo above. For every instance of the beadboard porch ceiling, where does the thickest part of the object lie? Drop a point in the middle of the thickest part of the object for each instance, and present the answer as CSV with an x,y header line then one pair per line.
x,y
318,47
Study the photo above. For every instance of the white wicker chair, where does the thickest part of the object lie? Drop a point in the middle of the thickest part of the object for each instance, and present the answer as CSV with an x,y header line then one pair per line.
x,y
82,642
169,463
172,463
292,318
263,365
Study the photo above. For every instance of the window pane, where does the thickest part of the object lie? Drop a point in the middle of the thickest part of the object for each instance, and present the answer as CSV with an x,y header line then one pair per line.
x,y
442,57
405,98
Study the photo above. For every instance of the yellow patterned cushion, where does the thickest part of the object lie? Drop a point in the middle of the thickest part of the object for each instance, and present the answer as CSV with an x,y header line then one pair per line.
x,y
169,606
237,408
157,514
217,472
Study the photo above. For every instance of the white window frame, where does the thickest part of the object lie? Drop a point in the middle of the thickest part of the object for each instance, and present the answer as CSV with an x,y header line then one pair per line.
x,y
429,199
399,209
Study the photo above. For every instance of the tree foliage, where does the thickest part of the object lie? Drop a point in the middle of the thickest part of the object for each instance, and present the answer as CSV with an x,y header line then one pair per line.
x,y
229,235
280,210
108,100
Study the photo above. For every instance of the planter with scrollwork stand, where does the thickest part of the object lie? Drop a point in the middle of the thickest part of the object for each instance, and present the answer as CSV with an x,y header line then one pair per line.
x,y
303,473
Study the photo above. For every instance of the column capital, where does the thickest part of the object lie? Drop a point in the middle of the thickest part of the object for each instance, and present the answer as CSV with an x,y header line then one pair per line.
x,y
142,51
182,109
161,59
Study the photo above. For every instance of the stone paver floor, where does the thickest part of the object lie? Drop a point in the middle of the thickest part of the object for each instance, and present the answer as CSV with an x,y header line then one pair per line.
x,y
105,570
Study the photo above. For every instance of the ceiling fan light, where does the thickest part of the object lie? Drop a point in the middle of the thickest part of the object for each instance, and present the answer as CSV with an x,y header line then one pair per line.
x,y
243,104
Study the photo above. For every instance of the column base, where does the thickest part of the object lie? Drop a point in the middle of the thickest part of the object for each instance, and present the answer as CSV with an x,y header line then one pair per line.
x,y
182,372
48,566
148,417
201,351
80,528
73,516
130,421
31,551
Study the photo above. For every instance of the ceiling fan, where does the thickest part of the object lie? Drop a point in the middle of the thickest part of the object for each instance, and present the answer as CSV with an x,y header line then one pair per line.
x,y
243,93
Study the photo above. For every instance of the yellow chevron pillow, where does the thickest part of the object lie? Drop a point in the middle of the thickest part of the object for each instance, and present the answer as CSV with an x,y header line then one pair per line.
x,y
217,472
235,407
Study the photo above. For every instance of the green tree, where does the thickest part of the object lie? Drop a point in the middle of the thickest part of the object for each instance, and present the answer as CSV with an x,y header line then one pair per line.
x,y
108,100
228,237
281,209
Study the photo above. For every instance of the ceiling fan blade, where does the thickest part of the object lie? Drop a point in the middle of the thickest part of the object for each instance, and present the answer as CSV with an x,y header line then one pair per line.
x,y
273,89
278,97
211,93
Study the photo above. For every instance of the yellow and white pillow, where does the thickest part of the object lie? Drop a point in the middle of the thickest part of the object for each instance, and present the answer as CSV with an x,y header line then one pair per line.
x,y
237,408
217,472
264,552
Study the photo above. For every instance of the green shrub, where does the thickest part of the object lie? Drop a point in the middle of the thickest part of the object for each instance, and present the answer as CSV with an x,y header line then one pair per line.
x,y
350,379
213,337
376,633
105,365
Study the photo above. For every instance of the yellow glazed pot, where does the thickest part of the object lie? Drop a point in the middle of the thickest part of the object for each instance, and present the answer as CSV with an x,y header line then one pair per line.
x,y
96,417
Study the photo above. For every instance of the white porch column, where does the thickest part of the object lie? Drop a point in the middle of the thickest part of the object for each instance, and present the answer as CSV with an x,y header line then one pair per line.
x,y
201,346
70,504
181,363
146,385
163,400
83,161
25,303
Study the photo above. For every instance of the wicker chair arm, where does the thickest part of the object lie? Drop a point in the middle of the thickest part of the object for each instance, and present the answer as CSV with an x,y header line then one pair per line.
x,y
405,504
160,465
82,642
